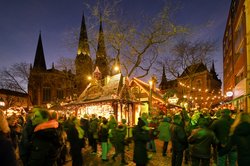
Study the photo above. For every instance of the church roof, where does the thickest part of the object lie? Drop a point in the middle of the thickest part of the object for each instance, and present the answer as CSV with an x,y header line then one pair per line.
x,y
96,92
195,68
146,87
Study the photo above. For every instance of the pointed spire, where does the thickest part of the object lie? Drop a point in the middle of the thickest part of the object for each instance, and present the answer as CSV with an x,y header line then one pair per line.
x,y
212,68
39,62
101,49
212,71
163,83
101,55
83,46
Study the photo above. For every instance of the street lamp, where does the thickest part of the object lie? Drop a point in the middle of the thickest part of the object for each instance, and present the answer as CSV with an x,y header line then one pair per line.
x,y
150,95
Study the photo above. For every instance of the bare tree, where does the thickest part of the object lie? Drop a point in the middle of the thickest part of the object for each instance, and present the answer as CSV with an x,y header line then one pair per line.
x,y
16,77
188,53
137,43
65,63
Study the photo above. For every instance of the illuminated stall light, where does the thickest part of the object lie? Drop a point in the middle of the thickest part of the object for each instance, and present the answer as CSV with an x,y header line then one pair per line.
x,y
100,110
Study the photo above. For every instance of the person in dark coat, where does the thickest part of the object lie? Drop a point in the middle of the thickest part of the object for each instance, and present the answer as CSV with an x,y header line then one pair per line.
x,y
103,138
119,135
140,137
200,142
75,137
85,125
45,144
7,153
240,138
93,133
179,140
221,128
25,142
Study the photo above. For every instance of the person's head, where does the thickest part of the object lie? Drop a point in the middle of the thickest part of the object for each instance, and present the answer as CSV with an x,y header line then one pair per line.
x,y
203,122
166,119
225,112
4,127
124,121
54,115
141,123
40,115
12,120
104,121
240,118
75,120
86,116
177,119
93,116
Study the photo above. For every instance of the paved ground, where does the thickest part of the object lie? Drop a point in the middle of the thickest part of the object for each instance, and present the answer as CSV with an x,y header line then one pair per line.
x,y
95,160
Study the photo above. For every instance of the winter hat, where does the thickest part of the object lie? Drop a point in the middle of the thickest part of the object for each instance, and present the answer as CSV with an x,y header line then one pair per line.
x,y
166,119
141,123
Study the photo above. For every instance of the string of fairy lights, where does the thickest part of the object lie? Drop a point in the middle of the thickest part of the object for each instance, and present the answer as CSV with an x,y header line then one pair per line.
x,y
203,96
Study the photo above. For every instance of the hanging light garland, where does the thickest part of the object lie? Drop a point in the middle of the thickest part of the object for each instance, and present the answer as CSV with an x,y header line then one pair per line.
x,y
219,96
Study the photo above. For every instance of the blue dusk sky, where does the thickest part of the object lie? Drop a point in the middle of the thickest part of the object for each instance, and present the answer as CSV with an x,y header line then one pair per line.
x,y
22,20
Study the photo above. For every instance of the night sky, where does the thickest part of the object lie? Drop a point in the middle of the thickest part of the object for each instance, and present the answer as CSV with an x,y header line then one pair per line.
x,y
21,22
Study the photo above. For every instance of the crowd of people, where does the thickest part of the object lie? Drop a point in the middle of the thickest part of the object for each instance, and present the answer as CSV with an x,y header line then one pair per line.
x,y
44,138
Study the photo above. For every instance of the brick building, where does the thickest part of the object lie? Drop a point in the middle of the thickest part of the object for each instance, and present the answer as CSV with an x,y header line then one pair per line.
x,y
236,58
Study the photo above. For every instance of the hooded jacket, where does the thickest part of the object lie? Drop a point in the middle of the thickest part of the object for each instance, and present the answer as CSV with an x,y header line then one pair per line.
x,y
200,142
241,139
45,144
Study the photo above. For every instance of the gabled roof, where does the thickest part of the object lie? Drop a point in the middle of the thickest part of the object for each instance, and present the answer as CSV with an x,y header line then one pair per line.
x,y
109,91
13,93
146,87
193,69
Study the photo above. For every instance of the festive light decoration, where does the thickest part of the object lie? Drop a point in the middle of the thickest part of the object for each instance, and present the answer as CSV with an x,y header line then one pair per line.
x,y
210,96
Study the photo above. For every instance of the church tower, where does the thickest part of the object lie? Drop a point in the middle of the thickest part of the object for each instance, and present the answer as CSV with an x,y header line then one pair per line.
x,y
39,62
212,71
101,55
83,61
36,73
163,84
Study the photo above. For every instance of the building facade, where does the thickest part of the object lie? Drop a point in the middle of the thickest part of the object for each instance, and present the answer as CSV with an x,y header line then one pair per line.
x,y
14,98
52,85
197,86
236,52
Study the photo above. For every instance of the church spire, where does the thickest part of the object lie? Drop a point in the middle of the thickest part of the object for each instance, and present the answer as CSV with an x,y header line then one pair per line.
x,y
83,46
39,62
83,61
101,55
212,71
101,49
163,83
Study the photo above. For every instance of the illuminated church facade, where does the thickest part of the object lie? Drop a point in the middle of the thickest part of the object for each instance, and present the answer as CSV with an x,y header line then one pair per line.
x,y
52,85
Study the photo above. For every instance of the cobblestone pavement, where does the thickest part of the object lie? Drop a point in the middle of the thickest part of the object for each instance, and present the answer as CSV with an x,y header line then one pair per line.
x,y
95,160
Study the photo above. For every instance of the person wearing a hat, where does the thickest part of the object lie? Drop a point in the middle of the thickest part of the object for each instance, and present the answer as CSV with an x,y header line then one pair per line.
x,y
140,137
164,134
221,128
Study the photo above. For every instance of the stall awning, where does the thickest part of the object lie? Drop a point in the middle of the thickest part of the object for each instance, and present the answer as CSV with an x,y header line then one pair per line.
x,y
237,98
